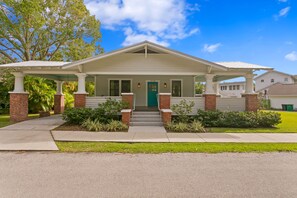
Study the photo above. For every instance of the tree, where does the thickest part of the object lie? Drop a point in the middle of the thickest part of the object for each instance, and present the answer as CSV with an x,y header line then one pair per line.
x,y
199,88
47,30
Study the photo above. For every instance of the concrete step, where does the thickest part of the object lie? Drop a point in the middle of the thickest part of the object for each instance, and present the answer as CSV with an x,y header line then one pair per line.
x,y
146,119
146,116
146,123
146,113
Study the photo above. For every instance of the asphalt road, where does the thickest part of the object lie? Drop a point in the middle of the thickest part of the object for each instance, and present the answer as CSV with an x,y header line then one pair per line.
x,y
35,174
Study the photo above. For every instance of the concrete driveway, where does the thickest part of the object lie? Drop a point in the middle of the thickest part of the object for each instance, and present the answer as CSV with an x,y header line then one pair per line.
x,y
50,174
30,135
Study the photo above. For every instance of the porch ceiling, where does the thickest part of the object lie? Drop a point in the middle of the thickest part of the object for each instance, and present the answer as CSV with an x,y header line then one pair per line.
x,y
62,77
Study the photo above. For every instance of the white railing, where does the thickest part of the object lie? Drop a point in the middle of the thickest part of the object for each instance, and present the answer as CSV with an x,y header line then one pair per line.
x,y
198,101
92,102
231,104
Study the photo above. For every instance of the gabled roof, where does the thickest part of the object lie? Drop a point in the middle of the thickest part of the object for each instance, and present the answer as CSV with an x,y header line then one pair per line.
x,y
279,89
36,64
274,72
243,65
144,44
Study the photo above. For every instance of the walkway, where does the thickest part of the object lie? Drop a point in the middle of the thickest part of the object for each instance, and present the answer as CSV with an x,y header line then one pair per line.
x,y
30,135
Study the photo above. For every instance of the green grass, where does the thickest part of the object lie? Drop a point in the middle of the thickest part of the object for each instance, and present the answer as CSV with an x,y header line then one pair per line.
x,y
102,147
289,124
4,119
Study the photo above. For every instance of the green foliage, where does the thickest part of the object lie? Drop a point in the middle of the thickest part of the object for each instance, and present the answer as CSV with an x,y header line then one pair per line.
x,y
115,125
93,125
199,88
77,115
238,119
6,84
47,30
193,127
196,126
183,109
265,104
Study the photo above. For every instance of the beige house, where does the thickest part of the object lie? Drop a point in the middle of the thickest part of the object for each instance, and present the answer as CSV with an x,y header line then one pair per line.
x,y
147,75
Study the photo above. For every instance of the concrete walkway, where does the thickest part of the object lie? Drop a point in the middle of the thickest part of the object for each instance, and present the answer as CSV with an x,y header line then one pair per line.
x,y
30,135
146,136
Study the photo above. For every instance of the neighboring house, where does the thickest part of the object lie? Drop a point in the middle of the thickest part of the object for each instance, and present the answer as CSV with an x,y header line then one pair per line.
x,y
281,95
146,75
231,89
262,82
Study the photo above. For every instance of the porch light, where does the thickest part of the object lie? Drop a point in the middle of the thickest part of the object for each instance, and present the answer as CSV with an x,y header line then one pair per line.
x,y
165,85
138,85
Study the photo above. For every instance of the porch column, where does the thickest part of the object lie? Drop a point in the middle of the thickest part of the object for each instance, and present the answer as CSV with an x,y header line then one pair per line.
x,y
81,94
18,99
210,96
251,98
59,98
164,100
216,87
129,98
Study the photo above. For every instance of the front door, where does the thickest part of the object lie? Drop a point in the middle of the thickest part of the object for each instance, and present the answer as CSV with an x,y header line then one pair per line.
x,y
152,92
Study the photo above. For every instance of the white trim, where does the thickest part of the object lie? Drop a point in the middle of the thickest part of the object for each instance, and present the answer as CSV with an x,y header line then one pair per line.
x,y
95,86
146,89
182,86
48,72
148,73
120,84
126,111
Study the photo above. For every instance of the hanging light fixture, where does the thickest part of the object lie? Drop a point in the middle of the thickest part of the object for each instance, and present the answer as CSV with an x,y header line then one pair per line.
x,y
138,85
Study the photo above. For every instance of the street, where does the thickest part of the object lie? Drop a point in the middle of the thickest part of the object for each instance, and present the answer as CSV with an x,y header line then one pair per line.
x,y
52,174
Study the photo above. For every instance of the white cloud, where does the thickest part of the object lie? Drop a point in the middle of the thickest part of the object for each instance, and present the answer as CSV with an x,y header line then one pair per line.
x,y
284,12
211,48
160,20
291,56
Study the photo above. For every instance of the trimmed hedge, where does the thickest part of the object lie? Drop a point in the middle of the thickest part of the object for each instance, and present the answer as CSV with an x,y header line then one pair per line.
x,y
238,119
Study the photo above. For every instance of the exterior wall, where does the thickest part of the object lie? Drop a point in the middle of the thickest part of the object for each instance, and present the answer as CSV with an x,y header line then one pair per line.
x,y
199,102
140,94
232,93
277,101
231,104
92,102
278,77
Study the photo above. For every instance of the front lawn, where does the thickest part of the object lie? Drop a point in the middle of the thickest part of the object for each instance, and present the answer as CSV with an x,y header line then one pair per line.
x,y
289,124
4,119
102,147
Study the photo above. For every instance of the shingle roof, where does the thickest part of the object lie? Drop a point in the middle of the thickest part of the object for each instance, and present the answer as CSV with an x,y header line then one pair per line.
x,y
242,65
279,89
36,64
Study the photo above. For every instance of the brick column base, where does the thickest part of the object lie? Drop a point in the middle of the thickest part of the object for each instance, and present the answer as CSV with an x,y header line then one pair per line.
x,y
164,100
80,100
59,103
18,106
128,97
126,116
210,102
251,102
166,115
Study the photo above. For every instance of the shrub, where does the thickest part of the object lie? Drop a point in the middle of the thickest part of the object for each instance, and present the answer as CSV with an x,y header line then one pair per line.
x,y
238,119
116,126
91,125
196,126
183,109
77,115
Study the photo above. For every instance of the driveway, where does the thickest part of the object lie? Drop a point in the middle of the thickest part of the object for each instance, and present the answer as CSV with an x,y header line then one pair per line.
x,y
36,174
30,135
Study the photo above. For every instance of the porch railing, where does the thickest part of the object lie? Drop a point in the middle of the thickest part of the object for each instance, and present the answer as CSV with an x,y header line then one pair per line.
x,y
231,104
198,102
92,102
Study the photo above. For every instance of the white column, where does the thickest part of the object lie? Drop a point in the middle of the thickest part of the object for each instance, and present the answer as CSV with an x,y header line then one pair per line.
x,y
249,83
18,82
209,84
216,87
81,83
59,87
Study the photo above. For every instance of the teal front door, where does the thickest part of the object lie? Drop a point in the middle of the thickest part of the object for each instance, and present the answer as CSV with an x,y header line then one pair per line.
x,y
152,92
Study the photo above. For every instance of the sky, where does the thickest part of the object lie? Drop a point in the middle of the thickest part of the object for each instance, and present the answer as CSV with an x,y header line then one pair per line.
x,y
261,32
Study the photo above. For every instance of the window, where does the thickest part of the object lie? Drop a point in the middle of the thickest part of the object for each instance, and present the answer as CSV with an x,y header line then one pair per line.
x,y
272,80
237,87
230,87
176,88
116,87
223,88
262,80
286,79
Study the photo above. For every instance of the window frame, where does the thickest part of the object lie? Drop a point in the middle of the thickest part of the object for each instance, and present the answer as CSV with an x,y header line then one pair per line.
x,y
120,84
181,87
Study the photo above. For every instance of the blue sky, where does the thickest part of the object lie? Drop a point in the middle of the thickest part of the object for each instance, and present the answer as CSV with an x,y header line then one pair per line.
x,y
256,31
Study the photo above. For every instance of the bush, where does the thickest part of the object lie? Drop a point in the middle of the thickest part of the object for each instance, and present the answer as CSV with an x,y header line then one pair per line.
x,y
91,125
195,126
116,126
77,115
183,109
238,119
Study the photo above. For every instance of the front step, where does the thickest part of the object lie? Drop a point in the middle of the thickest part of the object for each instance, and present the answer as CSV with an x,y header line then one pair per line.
x,y
146,118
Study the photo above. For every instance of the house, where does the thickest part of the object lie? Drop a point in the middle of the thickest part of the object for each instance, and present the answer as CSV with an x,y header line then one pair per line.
x,y
283,95
231,89
262,82
146,75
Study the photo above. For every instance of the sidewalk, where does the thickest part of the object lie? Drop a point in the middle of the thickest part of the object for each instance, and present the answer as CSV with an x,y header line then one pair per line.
x,y
30,135
174,137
